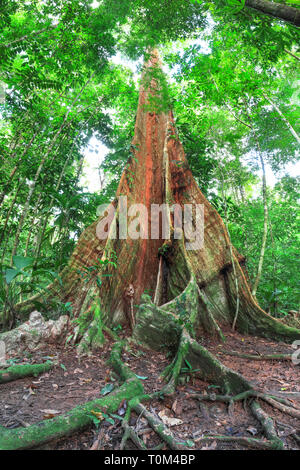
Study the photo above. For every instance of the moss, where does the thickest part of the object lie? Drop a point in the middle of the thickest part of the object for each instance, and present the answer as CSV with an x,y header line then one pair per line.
x,y
165,249
155,328
211,370
116,362
23,370
78,418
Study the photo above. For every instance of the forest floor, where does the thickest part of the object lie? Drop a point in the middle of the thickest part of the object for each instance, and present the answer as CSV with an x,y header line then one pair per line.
x,y
77,380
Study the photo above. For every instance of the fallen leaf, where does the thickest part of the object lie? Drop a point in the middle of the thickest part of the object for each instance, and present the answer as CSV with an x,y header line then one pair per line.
x,y
85,381
211,447
31,386
177,408
49,416
98,415
51,412
169,421
95,445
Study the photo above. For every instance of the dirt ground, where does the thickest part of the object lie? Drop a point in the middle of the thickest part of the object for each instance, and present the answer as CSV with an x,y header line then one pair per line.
x,y
77,380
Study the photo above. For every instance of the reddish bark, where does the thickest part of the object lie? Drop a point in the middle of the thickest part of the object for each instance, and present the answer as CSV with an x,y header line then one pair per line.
x,y
159,173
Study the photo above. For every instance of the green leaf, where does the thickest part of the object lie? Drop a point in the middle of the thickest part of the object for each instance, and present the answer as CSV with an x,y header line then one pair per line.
x,y
10,274
141,377
117,417
107,389
190,443
110,420
21,262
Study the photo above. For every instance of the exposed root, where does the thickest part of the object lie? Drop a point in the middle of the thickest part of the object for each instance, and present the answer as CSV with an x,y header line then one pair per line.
x,y
267,425
135,404
129,433
159,427
172,372
111,333
290,395
164,330
267,357
279,403
76,419
244,441
282,407
159,329
264,419
24,370
223,398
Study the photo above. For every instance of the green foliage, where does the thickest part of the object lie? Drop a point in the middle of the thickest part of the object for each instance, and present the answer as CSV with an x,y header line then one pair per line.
x,y
107,389
99,270
279,287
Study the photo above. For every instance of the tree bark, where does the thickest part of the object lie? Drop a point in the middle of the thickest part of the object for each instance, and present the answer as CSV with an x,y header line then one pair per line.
x,y
289,126
265,228
193,291
276,10
198,285
291,54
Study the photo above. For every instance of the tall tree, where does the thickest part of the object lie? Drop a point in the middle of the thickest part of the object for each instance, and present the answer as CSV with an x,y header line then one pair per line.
x,y
163,265
194,288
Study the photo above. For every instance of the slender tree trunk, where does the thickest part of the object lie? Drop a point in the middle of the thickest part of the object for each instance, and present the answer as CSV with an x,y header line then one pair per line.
x,y
33,186
41,234
5,244
13,172
27,147
274,267
276,10
31,191
10,211
67,215
25,210
289,126
292,55
231,253
265,228
32,224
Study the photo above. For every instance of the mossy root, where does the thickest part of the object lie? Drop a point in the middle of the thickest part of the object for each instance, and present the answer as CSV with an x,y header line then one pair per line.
x,y
23,370
76,419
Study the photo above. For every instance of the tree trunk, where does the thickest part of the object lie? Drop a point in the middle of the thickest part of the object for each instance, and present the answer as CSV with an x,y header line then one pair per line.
x,y
287,123
197,285
276,10
265,229
192,291
292,55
